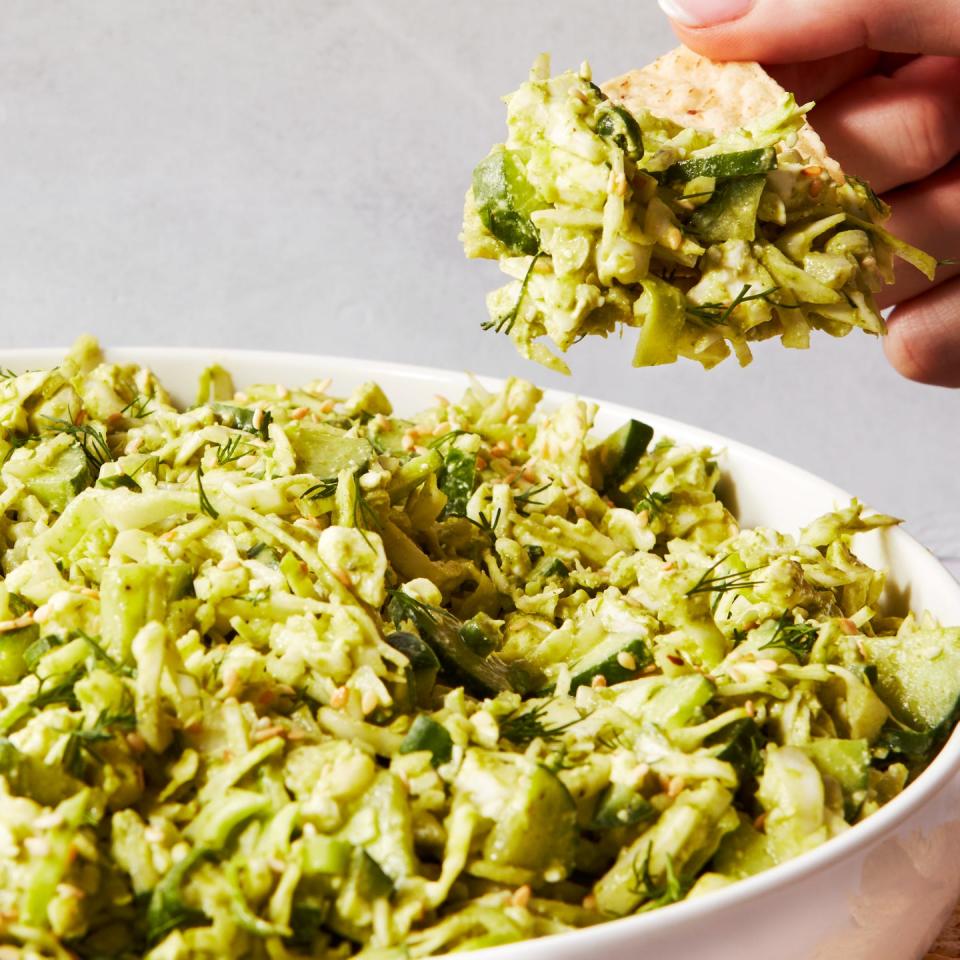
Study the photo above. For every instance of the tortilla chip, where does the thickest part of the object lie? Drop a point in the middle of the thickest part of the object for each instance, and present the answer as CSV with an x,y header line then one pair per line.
x,y
696,92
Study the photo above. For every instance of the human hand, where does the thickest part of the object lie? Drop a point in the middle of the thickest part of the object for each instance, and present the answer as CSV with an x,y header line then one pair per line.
x,y
886,78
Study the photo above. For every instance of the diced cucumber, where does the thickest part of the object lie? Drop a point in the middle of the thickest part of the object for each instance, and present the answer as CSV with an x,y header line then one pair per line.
x,y
505,199
742,747
325,856
325,451
57,480
743,852
847,761
381,823
242,418
619,454
13,646
679,702
538,827
740,163
621,806
412,473
479,635
457,480
617,124
683,839
424,665
427,734
918,675
731,213
366,883
134,594
663,310
617,658
486,676
547,567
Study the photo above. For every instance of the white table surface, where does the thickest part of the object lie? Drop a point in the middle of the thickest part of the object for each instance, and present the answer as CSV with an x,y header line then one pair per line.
x,y
289,174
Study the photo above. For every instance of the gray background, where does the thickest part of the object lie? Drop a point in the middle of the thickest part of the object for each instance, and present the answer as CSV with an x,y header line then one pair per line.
x,y
289,174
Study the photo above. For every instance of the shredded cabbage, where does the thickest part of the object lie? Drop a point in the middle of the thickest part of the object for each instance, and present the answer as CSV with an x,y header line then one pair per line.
x,y
285,674
703,241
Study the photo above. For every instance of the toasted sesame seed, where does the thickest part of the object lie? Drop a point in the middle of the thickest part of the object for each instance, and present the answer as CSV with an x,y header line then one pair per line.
x,y
675,786
299,413
18,623
268,733
48,821
812,171
627,660
340,697
759,823
369,702
521,896
70,890
768,665
849,627
589,902
750,708
36,846
327,406
481,463
816,187
598,681
136,742
282,391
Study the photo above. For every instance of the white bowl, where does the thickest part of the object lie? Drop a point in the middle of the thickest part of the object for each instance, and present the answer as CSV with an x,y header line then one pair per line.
x,y
883,889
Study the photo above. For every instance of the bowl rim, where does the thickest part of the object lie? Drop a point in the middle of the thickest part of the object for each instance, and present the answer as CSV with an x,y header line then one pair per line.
x,y
929,783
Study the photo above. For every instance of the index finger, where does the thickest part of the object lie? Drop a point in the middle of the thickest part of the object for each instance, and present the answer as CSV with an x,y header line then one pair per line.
x,y
781,31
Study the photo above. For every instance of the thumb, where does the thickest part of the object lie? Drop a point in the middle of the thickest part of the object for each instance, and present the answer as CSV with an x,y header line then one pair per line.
x,y
782,31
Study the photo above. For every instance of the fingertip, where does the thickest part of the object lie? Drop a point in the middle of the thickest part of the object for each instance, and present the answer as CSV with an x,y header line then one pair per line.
x,y
923,340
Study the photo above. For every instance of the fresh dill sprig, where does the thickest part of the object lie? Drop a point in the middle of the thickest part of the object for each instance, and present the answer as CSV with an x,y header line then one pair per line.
x,y
101,655
403,607
92,441
81,741
671,889
798,638
364,514
869,191
723,583
322,490
59,690
612,741
717,314
438,443
488,526
230,451
652,502
205,505
522,726
505,323
6,374
528,498
138,407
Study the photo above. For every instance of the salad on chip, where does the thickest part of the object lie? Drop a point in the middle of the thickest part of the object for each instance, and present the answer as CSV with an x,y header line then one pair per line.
x,y
691,200
287,674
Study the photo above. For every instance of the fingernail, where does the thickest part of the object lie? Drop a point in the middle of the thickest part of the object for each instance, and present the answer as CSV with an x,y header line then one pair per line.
x,y
704,13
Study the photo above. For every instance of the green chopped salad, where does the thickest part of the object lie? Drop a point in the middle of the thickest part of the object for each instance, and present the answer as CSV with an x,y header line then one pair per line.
x,y
703,240
286,674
